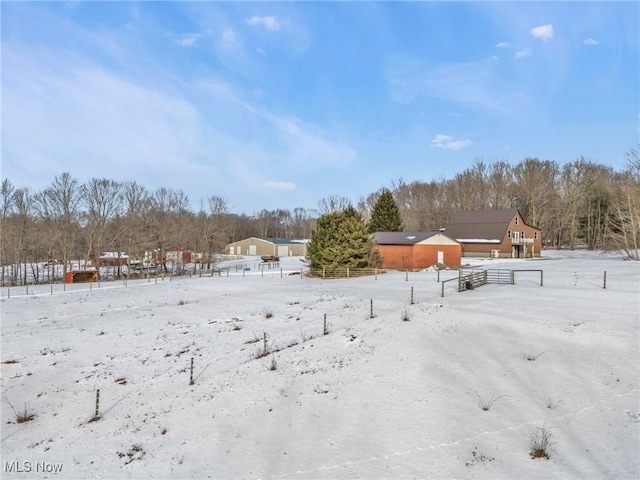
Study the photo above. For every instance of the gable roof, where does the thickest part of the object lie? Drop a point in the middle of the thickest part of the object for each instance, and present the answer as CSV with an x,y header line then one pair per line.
x,y
284,241
480,225
403,238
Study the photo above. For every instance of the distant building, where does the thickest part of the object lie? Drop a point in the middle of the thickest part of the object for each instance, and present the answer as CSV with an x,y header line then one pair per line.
x,y
417,250
111,259
174,255
494,233
279,247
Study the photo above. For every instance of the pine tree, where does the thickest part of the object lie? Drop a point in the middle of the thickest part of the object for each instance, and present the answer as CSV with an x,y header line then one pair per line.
x,y
385,216
340,240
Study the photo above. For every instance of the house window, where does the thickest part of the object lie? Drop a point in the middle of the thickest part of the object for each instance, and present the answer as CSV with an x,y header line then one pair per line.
x,y
535,235
517,221
508,233
522,233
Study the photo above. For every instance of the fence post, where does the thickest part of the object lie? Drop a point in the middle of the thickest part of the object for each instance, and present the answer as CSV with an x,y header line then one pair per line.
x,y
191,377
371,316
406,276
442,293
97,403
411,295
604,285
347,272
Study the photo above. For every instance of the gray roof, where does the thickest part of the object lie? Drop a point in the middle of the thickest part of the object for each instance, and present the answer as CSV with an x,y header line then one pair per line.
x,y
480,224
285,241
402,238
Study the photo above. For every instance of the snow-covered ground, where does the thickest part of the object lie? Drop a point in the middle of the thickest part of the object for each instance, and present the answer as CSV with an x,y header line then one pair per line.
x,y
374,398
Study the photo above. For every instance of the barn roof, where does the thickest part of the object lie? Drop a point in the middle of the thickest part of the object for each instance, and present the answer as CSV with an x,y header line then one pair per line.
x,y
403,238
284,241
480,226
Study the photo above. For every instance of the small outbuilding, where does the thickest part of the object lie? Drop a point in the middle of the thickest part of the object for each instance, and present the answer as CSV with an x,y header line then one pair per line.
x,y
276,247
82,276
417,250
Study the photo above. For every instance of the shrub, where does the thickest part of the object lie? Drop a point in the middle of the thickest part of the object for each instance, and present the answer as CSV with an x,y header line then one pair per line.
x,y
532,357
406,315
24,415
540,443
273,365
551,403
485,404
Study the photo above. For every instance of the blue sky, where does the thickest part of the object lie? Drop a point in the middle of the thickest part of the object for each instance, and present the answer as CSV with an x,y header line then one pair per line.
x,y
278,105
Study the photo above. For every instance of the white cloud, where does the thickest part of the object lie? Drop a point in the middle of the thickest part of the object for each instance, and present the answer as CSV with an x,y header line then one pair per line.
x,y
229,38
543,32
470,83
503,45
273,185
269,22
448,143
590,41
188,40
525,52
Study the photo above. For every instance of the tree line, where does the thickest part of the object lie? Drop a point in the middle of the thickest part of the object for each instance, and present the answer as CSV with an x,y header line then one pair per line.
x,y
577,203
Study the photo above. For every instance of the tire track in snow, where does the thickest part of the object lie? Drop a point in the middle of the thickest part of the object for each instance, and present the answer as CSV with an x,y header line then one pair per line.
x,y
348,465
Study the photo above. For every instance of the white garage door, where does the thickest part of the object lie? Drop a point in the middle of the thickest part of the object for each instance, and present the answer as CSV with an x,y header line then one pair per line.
x,y
283,250
252,249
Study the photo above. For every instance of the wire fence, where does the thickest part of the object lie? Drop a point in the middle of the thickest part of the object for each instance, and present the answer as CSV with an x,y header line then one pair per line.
x,y
334,273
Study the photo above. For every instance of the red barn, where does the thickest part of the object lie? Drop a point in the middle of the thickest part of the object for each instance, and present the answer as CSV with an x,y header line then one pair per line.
x,y
417,250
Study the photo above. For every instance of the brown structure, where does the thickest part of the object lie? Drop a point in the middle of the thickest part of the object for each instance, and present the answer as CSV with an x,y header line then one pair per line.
x,y
495,233
110,259
417,250
82,276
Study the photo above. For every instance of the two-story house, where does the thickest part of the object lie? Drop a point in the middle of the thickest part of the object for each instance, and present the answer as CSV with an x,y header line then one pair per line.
x,y
494,233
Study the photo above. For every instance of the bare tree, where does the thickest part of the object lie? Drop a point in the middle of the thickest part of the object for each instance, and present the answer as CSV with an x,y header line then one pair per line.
x,y
20,229
625,223
303,222
333,203
534,185
103,202
58,206
214,227
500,186
7,191
168,213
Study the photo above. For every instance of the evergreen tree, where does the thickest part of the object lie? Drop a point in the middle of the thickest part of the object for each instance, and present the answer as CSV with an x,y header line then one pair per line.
x,y
340,240
385,216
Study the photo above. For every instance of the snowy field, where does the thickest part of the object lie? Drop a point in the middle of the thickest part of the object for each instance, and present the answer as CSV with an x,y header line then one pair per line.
x,y
373,398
